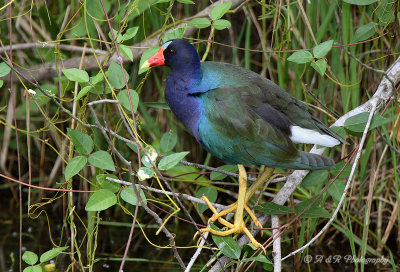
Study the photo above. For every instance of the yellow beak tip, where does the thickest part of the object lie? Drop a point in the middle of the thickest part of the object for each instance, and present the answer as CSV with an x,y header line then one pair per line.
x,y
145,65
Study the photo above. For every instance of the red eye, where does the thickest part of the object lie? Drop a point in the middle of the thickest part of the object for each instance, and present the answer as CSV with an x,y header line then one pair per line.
x,y
171,52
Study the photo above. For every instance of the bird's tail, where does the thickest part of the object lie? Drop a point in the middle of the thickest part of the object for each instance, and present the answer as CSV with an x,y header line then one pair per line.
x,y
309,161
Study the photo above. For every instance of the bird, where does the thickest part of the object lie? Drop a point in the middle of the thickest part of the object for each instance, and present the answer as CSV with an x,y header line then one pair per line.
x,y
241,118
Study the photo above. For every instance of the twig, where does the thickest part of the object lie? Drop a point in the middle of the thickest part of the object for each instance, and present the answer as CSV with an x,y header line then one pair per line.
x,y
276,251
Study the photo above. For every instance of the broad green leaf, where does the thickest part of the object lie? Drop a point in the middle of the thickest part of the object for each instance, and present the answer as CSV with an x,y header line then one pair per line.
x,y
273,208
97,78
186,2
386,10
36,268
177,33
300,57
365,32
220,176
95,9
74,166
77,75
346,171
339,130
130,33
357,122
260,258
319,66
124,99
221,24
314,211
51,254
106,184
30,257
336,189
210,192
129,195
126,51
145,56
145,173
1,83
219,10
101,200
83,92
360,2
200,22
4,69
228,246
187,173
171,160
168,141
322,49
83,143
116,76
116,35
315,177
101,159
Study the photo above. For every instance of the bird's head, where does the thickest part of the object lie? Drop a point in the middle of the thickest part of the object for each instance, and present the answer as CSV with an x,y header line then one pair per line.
x,y
176,53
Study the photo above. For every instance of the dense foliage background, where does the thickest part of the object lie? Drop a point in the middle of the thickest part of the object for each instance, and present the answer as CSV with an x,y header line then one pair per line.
x,y
69,152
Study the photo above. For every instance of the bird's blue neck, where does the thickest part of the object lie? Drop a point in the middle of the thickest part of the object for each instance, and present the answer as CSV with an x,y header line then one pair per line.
x,y
187,107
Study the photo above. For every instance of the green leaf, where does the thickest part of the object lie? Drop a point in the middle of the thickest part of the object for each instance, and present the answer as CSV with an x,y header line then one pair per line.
x,y
322,49
171,160
101,159
177,33
315,177
336,189
77,75
83,143
145,56
157,105
210,192
187,173
95,8
1,83
339,130
260,258
97,78
346,171
4,69
51,254
126,51
116,76
130,33
360,2
36,268
74,166
186,2
357,122
101,200
145,173
219,10
220,176
200,22
83,92
124,99
129,195
300,57
228,246
116,35
273,208
30,257
168,141
365,32
319,66
314,211
221,24
106,184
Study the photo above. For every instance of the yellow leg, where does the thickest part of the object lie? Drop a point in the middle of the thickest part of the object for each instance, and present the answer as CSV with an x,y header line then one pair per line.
x,y
243,197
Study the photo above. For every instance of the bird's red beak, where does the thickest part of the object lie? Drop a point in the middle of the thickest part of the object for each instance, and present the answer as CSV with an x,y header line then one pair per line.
x,y
155,60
